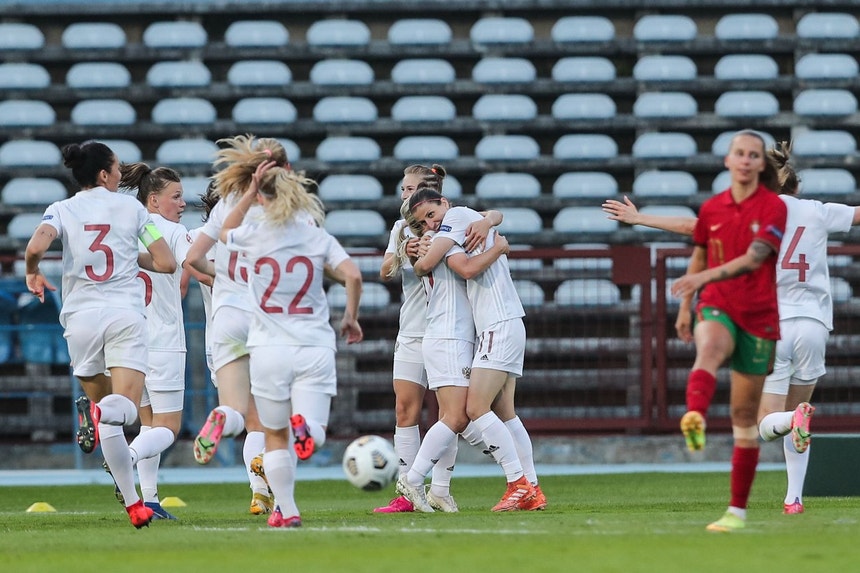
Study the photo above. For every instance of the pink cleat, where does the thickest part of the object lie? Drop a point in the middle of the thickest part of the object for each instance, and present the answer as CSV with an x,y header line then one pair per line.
x,y
793,508
277,519
206,442
397,505
800,434
304,444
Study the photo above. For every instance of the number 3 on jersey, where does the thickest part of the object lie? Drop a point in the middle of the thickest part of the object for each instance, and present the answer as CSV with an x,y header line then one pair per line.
x,y
801,266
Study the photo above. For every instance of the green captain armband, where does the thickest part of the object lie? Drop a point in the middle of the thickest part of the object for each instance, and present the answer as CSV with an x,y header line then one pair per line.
x,y
150,234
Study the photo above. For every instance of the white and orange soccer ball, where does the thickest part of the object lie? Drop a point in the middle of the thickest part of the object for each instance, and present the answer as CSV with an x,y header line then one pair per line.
x,y
370,463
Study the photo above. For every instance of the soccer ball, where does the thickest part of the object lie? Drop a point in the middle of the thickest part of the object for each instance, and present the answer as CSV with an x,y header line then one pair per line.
x,y
370,463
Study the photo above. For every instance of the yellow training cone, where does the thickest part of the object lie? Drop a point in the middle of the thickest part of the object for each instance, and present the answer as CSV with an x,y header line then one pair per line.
x,y
40,507
172,502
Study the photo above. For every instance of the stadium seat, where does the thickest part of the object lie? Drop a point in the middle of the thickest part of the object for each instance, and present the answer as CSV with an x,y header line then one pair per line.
x,y
426,148
174,35
33,191
344,109
256,34
497,70
720,146
824,143
583,220
507,148
127,151
193,188
26,153
530,293
748,103
841,289
199,152
292,149
595,264
504,107
820,181
420,71
330,33
419,32
665,28
367,259
423,108
661,68
826,66
192,217
350,188
373,295
663,211
655,105
103,112
20,36
451,187
253,73
492,30
824,102
508,186
721,182
98,75
665,184
341,72
355,223
583,106
262,110
746,67
93,36
524,265
664,146
8,317
733,27
22,225
22,76
575,29
182,74
587,293
519,220
583,69
340,149
585,146
828,25
39,333
183,111
26,113
594,184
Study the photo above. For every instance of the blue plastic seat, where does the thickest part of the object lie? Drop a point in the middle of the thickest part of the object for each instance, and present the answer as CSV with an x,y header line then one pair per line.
x,y
819,181
20,36
739,26
504,107
341,72
256,33
294,153
423,71
177,34
193,188
508,186
26,153
350,188
828,25
33,191
26,113
8,317
22,225
665,28
127,151
328,33
345,109
656,68
498,70
264,110
17,76
355,223
492,30
746,67
193,152
340,149
93,36
665,184
373,295
655,105
507,148
583,69
252,73
531,294
824,102
594,184
519,221
826,66
40,334
587,293
748,103
664,146
179,74
583,106
183,111
583,220
832,142
98,75
585,146
575,29
721,182
419,32
423,108
103,112
426,148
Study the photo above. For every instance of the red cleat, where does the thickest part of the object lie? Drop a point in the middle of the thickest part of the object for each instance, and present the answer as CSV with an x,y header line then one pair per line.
x,y
139,514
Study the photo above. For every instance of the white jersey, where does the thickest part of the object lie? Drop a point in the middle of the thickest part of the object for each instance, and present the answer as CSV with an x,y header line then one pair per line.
x,y
286,281
491,293
802,276
100,230
161,293
413,309
449,315
231,268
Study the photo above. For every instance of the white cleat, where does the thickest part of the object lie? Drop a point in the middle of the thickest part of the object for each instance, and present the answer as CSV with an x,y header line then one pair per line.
x,y
414,493
445,504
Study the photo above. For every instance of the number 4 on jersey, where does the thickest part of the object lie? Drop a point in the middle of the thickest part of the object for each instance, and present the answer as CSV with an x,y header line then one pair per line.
x,y
801,265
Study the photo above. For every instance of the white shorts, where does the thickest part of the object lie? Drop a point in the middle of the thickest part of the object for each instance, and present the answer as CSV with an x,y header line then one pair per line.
x,y
409,360
799,354
103,338
502,347
210,364
163,401
166,370
448,362
229,335
277,369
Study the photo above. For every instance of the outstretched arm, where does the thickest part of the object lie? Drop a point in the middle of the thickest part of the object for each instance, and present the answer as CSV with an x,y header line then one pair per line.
x,y
627,212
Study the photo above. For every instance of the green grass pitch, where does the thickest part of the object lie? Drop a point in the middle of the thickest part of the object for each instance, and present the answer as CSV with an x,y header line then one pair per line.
x,y
624,523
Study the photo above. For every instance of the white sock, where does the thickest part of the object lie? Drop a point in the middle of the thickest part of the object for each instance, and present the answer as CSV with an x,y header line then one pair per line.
x,y
317,432
234,423
473,435
150,442
118,458
281,471
501,445
775,425
255,443
435,441
740,512
147,474
440,482
795,467
523,443
407,440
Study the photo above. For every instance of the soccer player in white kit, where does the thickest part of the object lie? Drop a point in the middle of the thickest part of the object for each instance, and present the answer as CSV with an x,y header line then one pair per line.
x,y
291,341
102,312
160,191
805,313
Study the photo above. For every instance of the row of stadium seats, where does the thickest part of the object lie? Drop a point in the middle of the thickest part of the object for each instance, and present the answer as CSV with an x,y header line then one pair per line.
x,y
486,31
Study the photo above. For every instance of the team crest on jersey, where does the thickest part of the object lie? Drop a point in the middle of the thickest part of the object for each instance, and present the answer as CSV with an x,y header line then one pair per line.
x,y
444,228
754,227
467,372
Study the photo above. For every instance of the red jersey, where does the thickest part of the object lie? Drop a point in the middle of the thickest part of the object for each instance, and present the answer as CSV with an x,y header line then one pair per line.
x,y
726,229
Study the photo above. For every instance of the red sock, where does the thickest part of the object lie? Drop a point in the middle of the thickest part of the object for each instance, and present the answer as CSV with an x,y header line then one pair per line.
x,y
744,462
701,386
